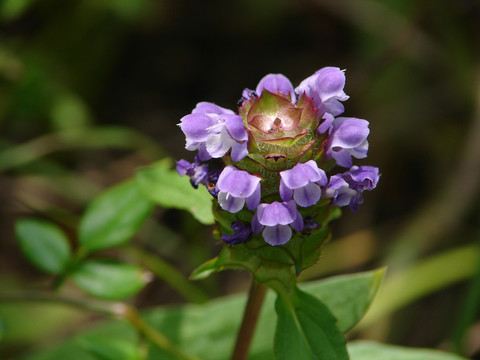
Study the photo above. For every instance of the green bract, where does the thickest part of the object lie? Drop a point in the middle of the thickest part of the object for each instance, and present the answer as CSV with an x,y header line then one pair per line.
x,y
281,134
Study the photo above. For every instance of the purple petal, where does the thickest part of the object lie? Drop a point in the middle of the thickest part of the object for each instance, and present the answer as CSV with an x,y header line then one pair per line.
x,y
360,152
183,166
192,145
256,226
277,213
210,108
305,86
239,151
292,207
241,234
337,182
309,225
343,193
366,176
277,235
344,198
230,203
218,144
199,175
211,182
326,125
298,223
308,195
238,183
203,155
356,200
260,210
235,127
254,199
302,174
219,141
329,83
323,178
343,157
195,126
195,171
334,107
248,94
349,133
348,138
325,87
285,192
276,83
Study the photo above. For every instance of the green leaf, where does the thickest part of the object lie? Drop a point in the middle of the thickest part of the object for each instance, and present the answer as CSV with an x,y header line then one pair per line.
x,y
73,350
369,350
165,187
272,265
306,329
349,296
277,266
12,9
114,217
43,244
109,280
110,349
307,250
219,320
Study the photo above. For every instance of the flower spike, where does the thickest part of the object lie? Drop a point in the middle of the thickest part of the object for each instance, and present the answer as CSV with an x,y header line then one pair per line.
x,y
278,158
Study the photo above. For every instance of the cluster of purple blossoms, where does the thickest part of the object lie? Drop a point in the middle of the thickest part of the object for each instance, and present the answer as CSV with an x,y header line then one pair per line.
x,y
279,152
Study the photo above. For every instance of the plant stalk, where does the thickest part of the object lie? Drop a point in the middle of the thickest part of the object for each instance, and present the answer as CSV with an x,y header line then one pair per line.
x,y
256,296
117,310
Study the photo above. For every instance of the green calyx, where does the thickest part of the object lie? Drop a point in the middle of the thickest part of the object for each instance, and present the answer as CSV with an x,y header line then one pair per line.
x,y
281,134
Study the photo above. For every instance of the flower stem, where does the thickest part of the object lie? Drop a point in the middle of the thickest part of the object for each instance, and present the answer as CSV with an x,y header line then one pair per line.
x,y
250,317
118,310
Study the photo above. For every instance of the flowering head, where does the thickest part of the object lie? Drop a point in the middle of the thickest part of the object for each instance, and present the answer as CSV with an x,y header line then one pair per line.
x,y
278,152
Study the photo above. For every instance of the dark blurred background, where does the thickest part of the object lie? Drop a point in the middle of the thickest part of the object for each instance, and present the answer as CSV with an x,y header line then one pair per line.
x,y
92,89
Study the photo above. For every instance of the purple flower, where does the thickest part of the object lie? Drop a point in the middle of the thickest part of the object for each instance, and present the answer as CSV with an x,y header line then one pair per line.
x,y
275,220
195,171
341,192
213,131
325,87
237,187
211,182
309,225
348,138
327,123
276,83
241,233
347,188
363,177
302,183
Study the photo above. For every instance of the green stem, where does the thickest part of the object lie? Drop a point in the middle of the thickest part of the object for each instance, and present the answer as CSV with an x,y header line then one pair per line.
x,y
94,137
79,255
133,317
117,310
250,317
